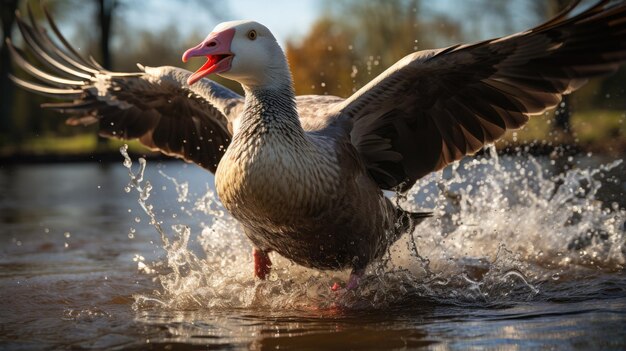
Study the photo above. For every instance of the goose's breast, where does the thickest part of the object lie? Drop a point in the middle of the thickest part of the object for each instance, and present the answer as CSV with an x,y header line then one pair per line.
x,y
276,183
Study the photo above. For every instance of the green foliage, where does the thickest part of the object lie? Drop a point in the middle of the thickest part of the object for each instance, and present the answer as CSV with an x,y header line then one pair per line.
x,y
79,144
598,130
599,126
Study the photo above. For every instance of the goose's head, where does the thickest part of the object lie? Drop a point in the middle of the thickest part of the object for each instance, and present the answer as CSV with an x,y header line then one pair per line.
x,y
244,51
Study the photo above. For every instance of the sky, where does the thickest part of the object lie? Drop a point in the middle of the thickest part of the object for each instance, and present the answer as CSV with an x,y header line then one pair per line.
x,y
287,19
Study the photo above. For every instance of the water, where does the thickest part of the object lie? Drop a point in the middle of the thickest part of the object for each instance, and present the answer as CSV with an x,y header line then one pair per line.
x,y
515,256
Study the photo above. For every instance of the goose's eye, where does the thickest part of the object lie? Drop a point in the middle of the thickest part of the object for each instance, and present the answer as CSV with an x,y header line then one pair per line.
x,y
252,34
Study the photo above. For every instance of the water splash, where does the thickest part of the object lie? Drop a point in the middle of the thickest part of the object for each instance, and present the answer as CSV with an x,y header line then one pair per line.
x,y
504,230
143,188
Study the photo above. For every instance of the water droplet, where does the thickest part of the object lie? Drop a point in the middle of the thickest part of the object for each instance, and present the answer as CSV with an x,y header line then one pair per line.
x,y
137,219
273,277
556,276
67,234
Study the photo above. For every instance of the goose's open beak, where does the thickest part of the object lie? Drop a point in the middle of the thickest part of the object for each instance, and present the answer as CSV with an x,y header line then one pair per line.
x,y
216,48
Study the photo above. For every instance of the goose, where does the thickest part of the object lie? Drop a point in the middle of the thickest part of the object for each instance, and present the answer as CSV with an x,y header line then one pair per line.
x,y
304,175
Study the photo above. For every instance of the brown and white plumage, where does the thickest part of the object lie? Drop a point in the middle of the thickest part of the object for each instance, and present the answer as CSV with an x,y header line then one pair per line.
x,y
304,175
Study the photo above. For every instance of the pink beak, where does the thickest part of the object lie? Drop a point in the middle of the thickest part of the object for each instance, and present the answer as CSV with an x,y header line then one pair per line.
x,y
216,48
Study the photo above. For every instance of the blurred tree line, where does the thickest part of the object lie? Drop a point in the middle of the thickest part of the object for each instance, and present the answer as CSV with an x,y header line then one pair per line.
x,y
99,29
349,44
360,39
354,41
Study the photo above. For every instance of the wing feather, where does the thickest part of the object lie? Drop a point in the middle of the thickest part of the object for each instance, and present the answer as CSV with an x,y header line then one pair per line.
x,y
155,106
434,107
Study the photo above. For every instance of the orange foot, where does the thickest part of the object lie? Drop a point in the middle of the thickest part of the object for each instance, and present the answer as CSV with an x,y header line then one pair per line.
x,y
262,263
353,281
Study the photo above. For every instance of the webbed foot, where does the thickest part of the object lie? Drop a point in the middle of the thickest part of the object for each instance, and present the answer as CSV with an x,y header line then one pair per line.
x,y
353,281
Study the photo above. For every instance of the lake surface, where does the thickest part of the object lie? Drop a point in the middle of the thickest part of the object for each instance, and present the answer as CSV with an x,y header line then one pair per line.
x,y
515,257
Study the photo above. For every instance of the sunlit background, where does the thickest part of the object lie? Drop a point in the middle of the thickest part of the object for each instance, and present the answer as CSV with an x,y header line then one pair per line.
x,y
334,47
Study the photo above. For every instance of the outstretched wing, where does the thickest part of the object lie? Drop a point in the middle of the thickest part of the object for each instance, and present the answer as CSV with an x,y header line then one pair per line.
x,y
155,106
434,107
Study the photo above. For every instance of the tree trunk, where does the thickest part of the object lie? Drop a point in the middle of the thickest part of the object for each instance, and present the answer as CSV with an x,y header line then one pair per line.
x,y
7,13
105,16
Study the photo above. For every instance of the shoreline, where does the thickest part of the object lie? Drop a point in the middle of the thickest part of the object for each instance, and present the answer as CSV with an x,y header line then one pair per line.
x,y
543,148
97,157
